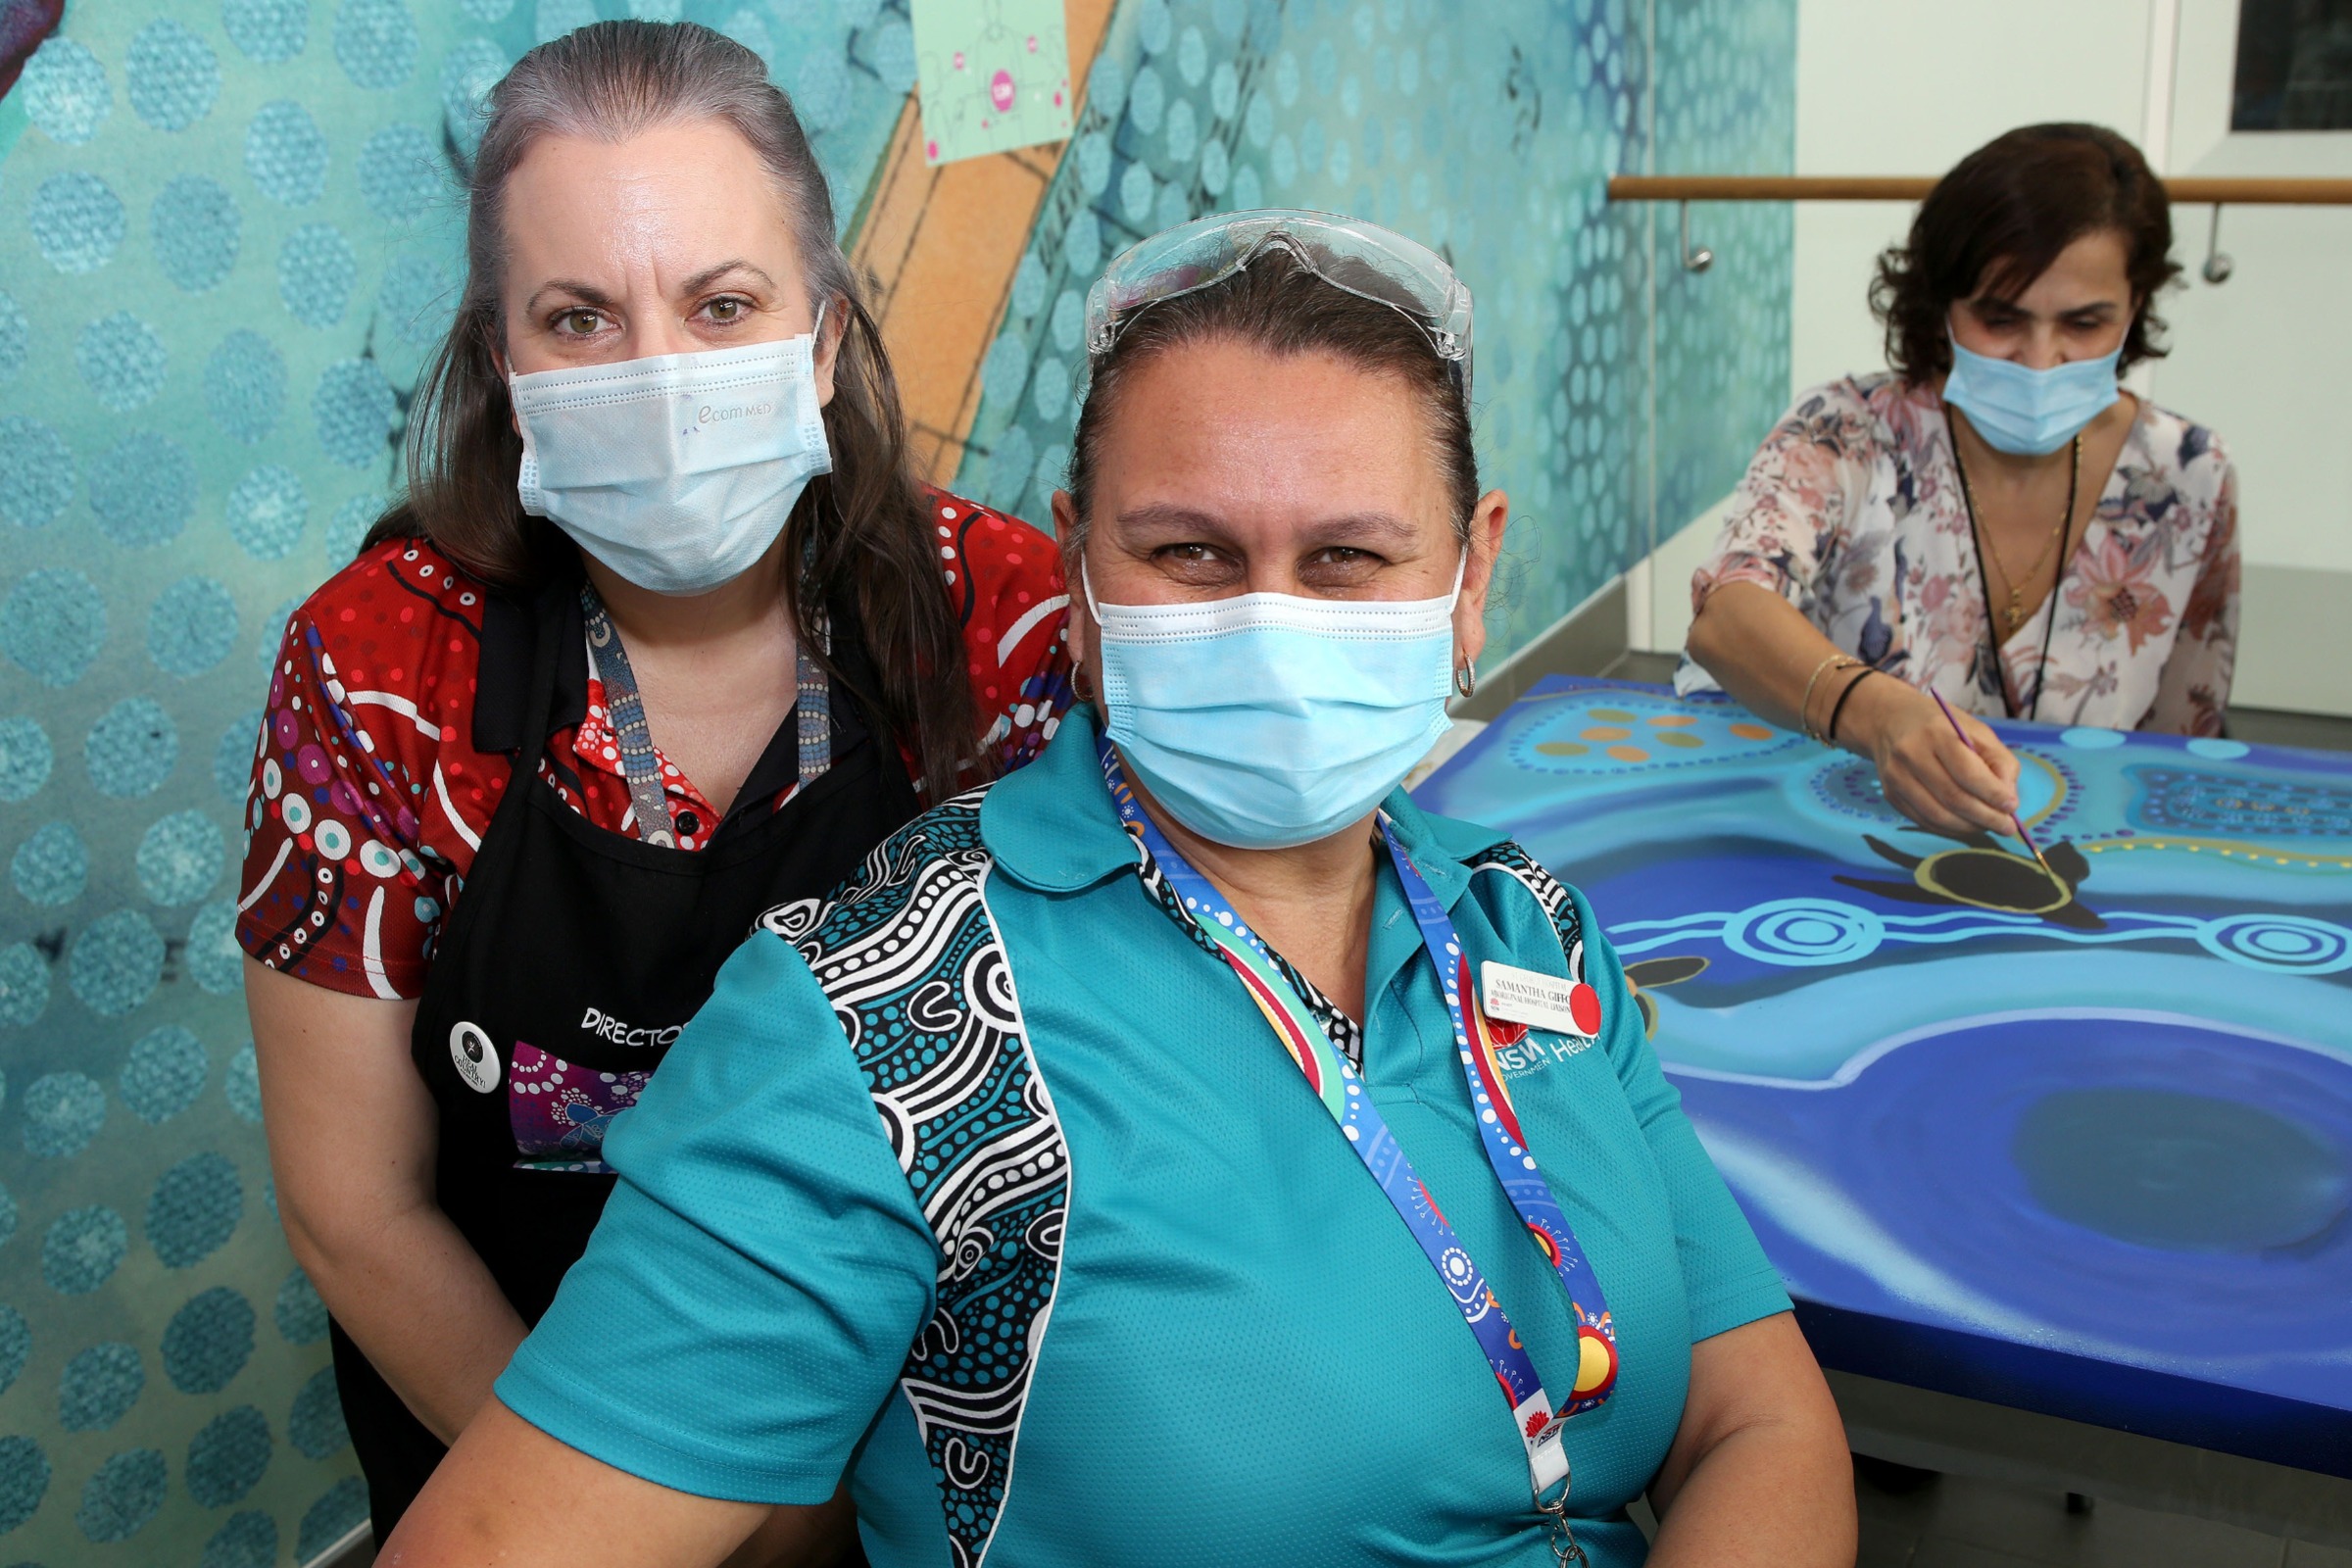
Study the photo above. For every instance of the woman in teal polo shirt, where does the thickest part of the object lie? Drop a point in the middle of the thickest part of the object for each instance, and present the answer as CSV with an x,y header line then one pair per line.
x,y
1187,1151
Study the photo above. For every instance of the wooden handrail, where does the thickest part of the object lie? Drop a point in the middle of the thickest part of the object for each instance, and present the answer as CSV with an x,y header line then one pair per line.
x,y
2231,192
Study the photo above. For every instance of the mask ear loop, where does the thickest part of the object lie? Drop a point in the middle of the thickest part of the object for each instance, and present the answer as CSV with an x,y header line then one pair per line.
x,y
1086,586
1465,673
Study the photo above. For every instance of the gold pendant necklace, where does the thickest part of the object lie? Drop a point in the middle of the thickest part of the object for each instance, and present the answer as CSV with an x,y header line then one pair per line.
x,y
2015,612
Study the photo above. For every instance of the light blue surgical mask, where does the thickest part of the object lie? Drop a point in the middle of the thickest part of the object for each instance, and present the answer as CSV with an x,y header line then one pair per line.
x,y
2025,411
677,471
1269,720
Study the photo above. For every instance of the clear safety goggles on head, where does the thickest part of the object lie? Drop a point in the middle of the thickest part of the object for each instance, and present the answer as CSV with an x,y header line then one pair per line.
x,y
1362,258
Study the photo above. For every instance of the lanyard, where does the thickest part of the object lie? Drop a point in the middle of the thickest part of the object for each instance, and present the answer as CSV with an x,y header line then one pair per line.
x,y
813,708
1340,1090
1976,538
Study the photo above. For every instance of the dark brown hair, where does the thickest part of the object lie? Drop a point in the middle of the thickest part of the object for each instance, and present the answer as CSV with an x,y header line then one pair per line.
x,y
1281,307
864,529
2000,218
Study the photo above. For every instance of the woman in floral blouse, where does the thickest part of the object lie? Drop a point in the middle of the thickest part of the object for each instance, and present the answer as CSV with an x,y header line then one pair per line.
x,y
1994,520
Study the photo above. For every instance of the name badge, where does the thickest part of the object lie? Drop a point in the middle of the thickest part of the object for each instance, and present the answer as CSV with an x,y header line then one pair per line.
x,y
1538,1001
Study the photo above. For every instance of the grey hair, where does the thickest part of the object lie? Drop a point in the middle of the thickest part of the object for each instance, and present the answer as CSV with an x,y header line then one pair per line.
x,y
614,81
862,530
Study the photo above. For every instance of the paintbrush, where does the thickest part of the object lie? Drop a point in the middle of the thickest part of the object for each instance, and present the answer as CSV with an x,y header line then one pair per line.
x,y
1953,720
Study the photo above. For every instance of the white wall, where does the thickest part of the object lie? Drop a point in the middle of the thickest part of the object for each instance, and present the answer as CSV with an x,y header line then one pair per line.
x,y
1908,86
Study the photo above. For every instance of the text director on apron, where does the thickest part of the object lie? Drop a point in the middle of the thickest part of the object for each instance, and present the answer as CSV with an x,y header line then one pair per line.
x,y
743,677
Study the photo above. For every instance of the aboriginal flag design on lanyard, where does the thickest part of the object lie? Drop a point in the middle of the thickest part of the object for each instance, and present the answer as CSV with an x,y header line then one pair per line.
x,y
1340,1090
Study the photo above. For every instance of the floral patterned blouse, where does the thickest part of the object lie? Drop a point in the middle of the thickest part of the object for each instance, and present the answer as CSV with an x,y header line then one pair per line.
x,y
1853,512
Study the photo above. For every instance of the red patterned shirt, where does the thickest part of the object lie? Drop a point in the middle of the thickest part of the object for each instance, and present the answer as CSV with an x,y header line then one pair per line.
x,y
369,753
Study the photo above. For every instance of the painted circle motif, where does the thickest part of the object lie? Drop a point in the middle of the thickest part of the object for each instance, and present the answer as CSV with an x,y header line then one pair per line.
x,y
65,91
115,963
77,221
191,626
26,759
314,1426
285,153
354,410
180,858
399,173
194,1208
23,985
118,1501
99,1386
143,491
248,1541
81,1248
53,866
267,32
172,76
36,471
131,749
316,270
267,511
226,1457
196,227
208,1341
63,1113
122,361
417,299
1804,933
2289,944
23,1480
471,68
244,384
165,1074
375,43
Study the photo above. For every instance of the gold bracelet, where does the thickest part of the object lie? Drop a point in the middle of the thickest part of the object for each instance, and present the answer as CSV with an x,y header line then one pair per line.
x,y
1805,706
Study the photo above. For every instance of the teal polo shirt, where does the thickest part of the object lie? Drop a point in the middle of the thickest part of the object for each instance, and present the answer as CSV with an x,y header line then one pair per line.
x,y
987,1184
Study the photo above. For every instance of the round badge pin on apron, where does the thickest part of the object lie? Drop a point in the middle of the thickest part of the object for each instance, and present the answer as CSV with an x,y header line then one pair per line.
x,y
474,1057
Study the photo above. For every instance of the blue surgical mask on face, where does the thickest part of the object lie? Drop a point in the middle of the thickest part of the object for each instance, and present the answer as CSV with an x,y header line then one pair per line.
x,y
1269,720
676,472
2025,411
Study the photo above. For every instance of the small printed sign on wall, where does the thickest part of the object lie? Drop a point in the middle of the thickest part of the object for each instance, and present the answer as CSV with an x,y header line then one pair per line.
x,y
992,75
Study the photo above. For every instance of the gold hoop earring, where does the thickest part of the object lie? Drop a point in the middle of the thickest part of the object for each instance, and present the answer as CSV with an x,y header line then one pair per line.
x,y
1465,679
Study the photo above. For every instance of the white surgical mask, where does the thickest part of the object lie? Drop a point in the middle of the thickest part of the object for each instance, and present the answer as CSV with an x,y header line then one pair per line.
x,y
677,471
1269,720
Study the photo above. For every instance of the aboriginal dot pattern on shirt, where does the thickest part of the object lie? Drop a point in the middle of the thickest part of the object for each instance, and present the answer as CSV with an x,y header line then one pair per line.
x,y
369,799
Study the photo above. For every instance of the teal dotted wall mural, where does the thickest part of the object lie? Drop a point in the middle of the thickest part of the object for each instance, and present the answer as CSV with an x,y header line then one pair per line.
x,y
229,235
1486,132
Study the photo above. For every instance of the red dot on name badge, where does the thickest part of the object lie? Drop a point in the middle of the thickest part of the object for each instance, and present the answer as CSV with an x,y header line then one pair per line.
x,y
1584,1005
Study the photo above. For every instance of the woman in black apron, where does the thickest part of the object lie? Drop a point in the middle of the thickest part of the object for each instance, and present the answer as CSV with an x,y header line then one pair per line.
x,y
664,637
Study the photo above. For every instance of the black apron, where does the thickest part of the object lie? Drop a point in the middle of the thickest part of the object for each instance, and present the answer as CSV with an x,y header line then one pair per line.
x,y
572,953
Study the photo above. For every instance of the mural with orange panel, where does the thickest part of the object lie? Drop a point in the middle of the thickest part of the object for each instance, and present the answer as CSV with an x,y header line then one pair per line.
x,y
940,246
